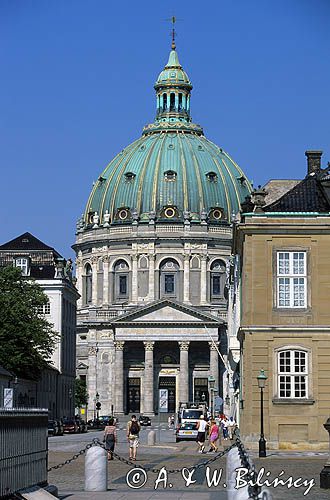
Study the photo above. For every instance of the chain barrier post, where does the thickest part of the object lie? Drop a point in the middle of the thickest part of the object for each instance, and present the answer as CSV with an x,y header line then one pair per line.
x,y
96,469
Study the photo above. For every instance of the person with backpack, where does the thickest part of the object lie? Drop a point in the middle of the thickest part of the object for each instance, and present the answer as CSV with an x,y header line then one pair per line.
x,y
133,430
110,438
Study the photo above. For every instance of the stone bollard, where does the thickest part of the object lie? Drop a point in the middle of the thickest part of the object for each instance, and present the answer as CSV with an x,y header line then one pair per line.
x,y
96,469
151,438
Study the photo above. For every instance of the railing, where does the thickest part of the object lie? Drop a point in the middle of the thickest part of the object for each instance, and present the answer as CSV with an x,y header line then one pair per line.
x,y
23,449
223,230
106,314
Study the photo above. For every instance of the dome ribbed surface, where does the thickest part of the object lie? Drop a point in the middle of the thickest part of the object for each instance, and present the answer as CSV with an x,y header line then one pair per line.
x,y
146,187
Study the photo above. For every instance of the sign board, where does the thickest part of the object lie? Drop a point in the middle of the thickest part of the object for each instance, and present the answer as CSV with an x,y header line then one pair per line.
x,y
218,401
8,397
82,411
163,400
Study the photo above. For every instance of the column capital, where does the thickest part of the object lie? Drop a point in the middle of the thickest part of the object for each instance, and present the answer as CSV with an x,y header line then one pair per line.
x,y
203,257
105,259
119,345
186,257
184,346
92,351
149,346
94,259
134,257
79,261
152,256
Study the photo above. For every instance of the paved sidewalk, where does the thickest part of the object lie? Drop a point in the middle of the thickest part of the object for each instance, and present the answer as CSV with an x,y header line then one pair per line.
x,y
70,479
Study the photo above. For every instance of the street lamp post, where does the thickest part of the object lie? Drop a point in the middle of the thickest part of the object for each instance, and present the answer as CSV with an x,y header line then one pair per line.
x,y
261,384
211,385
97,397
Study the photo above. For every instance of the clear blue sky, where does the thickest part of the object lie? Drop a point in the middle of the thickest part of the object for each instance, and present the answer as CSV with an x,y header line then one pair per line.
x,y
77,86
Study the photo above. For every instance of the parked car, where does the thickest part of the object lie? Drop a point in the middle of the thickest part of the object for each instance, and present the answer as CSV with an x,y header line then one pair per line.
x,y
70,426
55,427
144,420
81,424
186,431
52,427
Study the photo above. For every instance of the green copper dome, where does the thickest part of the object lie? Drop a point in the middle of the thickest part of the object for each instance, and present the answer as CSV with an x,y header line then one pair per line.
x,y
171,173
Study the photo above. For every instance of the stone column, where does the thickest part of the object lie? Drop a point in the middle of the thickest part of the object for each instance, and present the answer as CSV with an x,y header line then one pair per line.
x,y
94,280
151,277
214,363
79,275
134,279
106,280
148,386
92,378
119,378
203,279
184,372
186,278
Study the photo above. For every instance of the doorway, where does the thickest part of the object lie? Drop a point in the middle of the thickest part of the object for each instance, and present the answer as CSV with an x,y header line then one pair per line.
x,y
168,387
133,395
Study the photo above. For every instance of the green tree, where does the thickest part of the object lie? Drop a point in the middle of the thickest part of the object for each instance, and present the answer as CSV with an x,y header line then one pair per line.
x,y
27,339
80,393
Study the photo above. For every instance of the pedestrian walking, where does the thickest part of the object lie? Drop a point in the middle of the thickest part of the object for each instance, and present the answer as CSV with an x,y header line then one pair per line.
x,y
201,431
133,431
231,426
172,421
224,426
169,421
213,436
110,438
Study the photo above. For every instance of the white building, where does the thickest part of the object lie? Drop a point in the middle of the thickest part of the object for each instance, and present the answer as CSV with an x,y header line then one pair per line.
x,y
47,267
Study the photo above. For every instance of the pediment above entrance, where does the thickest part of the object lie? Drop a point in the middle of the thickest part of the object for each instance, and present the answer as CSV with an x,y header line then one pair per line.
x,y
166,311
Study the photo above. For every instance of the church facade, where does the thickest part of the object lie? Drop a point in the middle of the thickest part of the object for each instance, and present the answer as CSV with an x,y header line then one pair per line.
x,y
153,249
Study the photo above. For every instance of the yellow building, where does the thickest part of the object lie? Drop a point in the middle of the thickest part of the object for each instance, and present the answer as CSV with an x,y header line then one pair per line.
x,y
282,263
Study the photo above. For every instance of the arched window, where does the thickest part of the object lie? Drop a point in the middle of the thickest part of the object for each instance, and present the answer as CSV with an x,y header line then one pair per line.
x,y
172,101
88,284
169,283
164,102
180,101
292,373
121,270
218,278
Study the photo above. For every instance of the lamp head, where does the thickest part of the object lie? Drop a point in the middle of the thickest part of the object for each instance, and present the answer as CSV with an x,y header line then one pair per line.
x,y
261,379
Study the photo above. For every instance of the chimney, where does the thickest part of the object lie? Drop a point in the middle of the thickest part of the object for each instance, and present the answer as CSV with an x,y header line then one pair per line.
x,y
313,161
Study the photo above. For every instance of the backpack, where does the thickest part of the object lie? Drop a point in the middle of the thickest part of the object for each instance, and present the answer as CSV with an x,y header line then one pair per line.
x,y
134,428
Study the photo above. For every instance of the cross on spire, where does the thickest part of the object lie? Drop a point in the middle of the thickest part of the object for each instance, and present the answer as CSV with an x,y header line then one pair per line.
x,y
173,21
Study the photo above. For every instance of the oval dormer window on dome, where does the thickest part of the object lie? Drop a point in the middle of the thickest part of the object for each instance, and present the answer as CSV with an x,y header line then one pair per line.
x,y
170,175
216,214
129,176
212,177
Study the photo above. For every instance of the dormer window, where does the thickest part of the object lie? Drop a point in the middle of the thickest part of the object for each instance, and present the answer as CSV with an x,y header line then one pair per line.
x,y
212,177
129,176
170,175
23,264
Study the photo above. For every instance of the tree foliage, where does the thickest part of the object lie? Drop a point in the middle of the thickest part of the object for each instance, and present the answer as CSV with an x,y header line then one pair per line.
x,y
80,393
27,339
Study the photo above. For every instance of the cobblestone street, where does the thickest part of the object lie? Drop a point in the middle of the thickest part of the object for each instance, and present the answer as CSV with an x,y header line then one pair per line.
x,y
70,478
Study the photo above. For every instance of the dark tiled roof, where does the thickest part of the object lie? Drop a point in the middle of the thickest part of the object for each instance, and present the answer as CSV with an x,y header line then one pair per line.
x,y
27,241
307,196
42,272
4,372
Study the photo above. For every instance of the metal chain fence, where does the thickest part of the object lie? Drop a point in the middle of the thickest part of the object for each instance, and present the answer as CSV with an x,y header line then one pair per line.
x,y
97,442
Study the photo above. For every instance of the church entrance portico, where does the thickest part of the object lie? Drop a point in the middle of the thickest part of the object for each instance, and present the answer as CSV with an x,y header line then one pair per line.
x,y
167,362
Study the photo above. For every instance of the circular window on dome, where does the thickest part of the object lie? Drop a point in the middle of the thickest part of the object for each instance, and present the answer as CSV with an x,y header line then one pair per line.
x,y
122,214
217,213
142,148
169,212
171,146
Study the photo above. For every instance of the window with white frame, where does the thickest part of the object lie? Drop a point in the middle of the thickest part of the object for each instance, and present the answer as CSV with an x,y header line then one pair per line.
x,y
291,279
292,375
44,309
23,264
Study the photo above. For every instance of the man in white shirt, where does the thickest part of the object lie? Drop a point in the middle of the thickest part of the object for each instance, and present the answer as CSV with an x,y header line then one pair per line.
x,y
201,431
